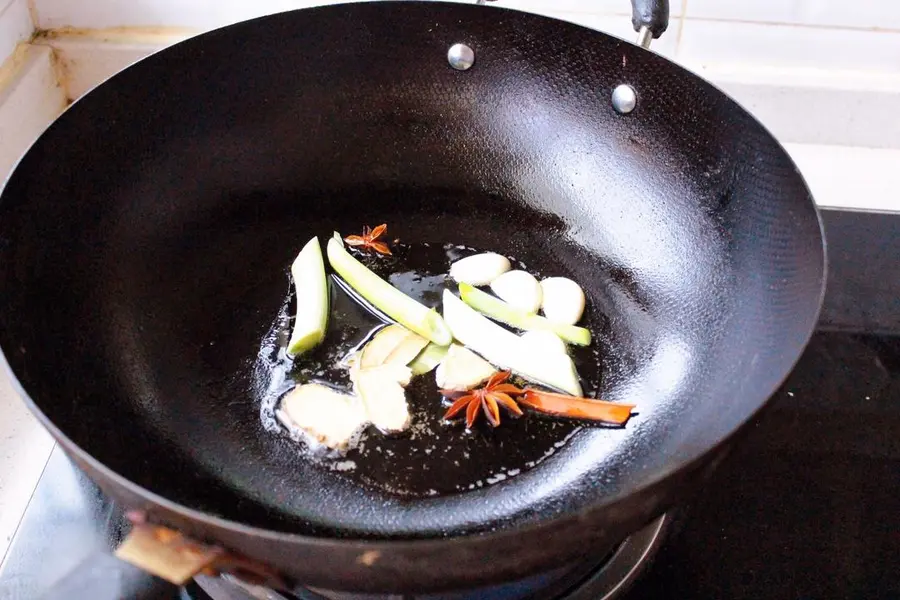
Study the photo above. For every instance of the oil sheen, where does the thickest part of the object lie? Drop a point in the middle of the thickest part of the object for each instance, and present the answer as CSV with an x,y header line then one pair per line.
x,y
433,457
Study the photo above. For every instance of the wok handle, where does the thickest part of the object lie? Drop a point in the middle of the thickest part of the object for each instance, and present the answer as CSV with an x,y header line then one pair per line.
x,y
650,19
102,576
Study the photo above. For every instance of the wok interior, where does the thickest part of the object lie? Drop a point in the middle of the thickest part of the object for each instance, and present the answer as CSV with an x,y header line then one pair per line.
x,y
148,233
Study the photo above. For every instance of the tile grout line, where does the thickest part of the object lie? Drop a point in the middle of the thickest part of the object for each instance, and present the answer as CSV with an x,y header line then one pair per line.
x,y
33,15
681,17
12,538
6,8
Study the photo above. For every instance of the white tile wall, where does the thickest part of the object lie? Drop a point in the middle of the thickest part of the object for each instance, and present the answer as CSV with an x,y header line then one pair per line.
x,y
821,113
28,103
866,14
732,42
846,177
15,25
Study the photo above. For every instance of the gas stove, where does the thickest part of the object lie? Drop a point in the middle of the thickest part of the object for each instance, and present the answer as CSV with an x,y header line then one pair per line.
x,y
806,506
596,578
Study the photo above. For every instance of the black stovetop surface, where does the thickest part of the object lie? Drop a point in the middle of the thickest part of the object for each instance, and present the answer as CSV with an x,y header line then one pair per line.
x,y
806,506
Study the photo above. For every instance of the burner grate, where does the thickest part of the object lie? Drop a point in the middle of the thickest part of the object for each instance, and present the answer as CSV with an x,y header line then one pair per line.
x,y
605,579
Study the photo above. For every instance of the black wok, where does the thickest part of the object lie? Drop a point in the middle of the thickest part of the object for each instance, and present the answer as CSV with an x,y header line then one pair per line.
x,y
146,238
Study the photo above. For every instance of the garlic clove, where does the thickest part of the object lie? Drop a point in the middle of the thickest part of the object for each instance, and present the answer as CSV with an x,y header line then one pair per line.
x,y
480,269
520,289
563,300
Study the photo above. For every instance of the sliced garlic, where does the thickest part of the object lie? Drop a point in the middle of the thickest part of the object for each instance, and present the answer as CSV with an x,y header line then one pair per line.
x,y
543,340
563,300
480,269
462,370
520,289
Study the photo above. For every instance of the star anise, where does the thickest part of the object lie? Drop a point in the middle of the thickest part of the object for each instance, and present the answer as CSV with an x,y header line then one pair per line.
x,y
369,239
489,398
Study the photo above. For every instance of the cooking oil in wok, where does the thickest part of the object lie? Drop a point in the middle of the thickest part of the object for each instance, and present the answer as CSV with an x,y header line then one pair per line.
x,y
433,457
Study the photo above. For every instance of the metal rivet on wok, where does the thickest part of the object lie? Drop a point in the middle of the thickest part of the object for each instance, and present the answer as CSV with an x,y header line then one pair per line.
x,y
461,57
624,98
